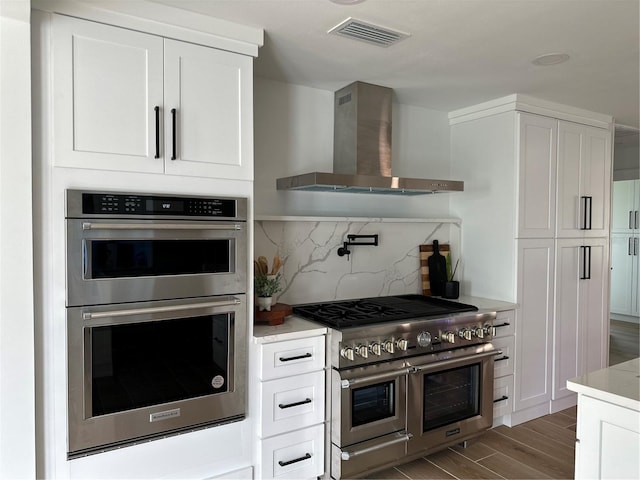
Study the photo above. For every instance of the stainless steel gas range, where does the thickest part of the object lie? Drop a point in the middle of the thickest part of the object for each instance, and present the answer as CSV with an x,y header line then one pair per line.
x,y
409,375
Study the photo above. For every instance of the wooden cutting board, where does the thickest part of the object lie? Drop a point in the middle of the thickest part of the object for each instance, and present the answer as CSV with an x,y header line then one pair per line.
x,y
425,252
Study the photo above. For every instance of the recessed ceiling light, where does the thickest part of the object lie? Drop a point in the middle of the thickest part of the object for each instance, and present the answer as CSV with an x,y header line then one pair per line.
x,y
347,2
550,59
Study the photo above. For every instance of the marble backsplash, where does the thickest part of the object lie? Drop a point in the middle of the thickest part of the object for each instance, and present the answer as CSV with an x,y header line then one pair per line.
x,y
313,271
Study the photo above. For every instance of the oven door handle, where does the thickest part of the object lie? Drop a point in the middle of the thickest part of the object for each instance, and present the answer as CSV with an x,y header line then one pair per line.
x,y
450,361
400,437
169,308
348,382
157,226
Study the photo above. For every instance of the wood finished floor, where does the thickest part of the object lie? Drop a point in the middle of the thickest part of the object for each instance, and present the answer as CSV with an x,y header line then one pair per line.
x,y
624,341
541,448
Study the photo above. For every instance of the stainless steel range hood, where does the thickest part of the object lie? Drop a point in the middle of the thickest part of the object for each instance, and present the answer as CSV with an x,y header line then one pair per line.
x,y
362,150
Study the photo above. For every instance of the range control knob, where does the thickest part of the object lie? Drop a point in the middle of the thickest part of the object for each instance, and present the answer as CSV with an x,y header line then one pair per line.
x,y
402,344
375,348
489,330
362,350
478,332
347,352
388,346
424,339
465,333
448,337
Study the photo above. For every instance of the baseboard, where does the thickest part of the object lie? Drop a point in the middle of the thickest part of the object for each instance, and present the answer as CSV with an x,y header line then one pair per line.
x,y
529,414
564,403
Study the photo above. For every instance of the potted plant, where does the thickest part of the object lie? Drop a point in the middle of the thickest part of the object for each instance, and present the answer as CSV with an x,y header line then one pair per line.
x,y
266,283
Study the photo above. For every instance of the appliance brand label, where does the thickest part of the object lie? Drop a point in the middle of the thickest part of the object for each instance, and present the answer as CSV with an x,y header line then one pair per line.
x,y
217,381
455,431
156,417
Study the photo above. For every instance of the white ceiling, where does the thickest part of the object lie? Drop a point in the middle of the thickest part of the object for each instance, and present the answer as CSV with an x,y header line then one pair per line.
x,y
460,52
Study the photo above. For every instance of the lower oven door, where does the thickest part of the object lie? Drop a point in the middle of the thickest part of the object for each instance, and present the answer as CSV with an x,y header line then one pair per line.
x,y
141,370
450,397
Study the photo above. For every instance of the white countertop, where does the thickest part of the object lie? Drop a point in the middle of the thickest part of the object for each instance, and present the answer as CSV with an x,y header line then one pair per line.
x,y
618,384
292,329
486,304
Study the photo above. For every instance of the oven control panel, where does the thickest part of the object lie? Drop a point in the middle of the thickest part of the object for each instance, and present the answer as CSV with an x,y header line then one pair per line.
x,y
421,338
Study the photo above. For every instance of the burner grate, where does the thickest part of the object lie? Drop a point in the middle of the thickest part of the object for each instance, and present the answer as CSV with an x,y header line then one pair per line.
x,y
348,313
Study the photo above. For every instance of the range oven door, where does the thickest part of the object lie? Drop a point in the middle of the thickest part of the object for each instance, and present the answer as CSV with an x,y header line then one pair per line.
x,y
140,370
450,396
368,418
121,260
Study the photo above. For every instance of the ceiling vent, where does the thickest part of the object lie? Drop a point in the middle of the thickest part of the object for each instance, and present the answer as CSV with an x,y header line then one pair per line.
x,y
367,32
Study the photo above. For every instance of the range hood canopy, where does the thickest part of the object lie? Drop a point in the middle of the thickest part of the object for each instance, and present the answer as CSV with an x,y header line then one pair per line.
x,y
362,150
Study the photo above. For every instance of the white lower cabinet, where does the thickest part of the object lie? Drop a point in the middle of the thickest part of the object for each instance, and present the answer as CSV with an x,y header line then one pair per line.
x,y
504,341
290,406
608,440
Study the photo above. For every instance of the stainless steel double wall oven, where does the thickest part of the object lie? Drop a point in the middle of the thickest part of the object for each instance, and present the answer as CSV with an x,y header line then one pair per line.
x,y
156,315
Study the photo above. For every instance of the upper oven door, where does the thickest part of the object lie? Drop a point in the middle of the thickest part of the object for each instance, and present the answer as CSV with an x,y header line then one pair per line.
x,y
368,402
115,261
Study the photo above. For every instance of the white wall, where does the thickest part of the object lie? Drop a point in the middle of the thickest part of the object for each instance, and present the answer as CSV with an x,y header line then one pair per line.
x,y
294,135
17,397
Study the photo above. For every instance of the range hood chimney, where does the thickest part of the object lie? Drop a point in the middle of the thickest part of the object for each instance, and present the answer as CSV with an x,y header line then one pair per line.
x,y
362,150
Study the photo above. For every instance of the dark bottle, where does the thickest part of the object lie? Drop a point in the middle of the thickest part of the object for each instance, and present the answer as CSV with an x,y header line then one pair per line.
x,y
437,270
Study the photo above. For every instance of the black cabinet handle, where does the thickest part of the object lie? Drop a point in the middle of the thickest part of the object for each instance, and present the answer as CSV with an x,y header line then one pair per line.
x,y
501,359
295,404
587,205
631,220
157,110
295,460
505,324
173,133
637,219
631,246
586,263
297,357
504,397
635,246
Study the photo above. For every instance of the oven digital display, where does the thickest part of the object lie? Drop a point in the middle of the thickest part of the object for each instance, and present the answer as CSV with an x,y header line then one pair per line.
x,y
165,205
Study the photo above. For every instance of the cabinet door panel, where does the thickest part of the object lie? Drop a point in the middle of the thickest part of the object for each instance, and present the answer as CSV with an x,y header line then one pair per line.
x,y
621,274
537,176
211,91
107,81
584,177
626,196
534,322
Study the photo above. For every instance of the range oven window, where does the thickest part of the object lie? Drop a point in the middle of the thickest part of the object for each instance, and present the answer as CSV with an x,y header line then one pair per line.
x,y
372,403
137,258
450,396
150,363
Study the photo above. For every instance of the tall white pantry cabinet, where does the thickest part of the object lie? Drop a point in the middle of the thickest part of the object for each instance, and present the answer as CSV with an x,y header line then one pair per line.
x,y
536,232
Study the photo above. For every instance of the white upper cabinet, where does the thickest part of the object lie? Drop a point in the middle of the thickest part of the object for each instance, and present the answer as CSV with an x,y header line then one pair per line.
x,y
130,101
106,83
208,101
537,175
626,206
584,181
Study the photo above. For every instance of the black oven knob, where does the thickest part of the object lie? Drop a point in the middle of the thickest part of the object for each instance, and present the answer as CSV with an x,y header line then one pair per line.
x,y
465,334
375,348
424,339
362,350
347,352
402,344
449,337
388,346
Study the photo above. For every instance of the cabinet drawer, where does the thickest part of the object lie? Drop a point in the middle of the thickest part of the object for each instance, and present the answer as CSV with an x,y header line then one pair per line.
x,y
292,357
292,403
505,323
502,393
503,364
294,455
